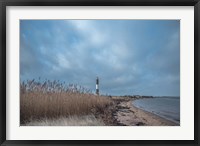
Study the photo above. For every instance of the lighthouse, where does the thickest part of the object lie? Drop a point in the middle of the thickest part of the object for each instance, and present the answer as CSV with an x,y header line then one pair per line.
x,y
97,86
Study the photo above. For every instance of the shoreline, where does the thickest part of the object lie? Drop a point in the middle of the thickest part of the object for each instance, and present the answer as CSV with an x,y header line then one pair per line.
x,y
124,113
160,116
164,120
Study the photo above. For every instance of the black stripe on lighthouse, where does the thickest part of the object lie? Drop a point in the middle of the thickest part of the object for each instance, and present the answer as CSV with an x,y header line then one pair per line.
x,y
97,86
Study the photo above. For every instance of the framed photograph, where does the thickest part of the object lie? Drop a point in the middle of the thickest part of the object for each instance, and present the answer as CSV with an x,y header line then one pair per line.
x,y
99,72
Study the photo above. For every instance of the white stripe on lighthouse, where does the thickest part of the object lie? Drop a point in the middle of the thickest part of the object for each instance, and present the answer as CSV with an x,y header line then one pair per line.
x,y
97,87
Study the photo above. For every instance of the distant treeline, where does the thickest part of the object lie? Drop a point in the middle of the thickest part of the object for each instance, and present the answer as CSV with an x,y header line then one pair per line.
x,y
137,96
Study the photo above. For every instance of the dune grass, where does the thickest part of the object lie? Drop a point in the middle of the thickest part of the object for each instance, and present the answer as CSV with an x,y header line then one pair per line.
x,y
53,100
86,120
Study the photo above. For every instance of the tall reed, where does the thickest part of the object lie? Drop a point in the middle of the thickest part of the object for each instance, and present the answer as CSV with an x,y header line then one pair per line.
x,y
51,99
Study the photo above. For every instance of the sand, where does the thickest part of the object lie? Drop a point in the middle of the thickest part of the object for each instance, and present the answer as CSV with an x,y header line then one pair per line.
x,y
129,115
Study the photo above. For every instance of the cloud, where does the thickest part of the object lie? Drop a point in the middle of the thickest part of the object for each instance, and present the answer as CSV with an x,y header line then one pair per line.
x,y
129,56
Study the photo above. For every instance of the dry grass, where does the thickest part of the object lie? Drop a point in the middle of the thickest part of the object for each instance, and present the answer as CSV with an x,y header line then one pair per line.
x,y
87,120
38,102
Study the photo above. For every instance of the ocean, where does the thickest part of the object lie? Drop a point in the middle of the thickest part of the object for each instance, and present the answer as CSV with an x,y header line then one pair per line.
x,y
165,107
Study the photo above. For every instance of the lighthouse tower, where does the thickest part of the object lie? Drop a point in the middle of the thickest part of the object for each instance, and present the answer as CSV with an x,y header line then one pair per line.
x,y
97,86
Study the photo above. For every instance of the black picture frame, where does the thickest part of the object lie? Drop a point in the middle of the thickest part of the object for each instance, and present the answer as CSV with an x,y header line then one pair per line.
x,y
5,3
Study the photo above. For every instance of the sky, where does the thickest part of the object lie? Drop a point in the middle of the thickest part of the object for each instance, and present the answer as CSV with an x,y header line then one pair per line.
x,y
130,57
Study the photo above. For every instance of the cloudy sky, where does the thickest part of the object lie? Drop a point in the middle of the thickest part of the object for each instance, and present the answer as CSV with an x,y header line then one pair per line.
x,y
129,56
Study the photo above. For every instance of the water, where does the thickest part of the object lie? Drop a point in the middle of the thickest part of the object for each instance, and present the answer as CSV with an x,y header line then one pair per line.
x,y
166,107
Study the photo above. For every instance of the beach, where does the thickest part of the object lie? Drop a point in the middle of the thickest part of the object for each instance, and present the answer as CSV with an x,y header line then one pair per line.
x,y
124,113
